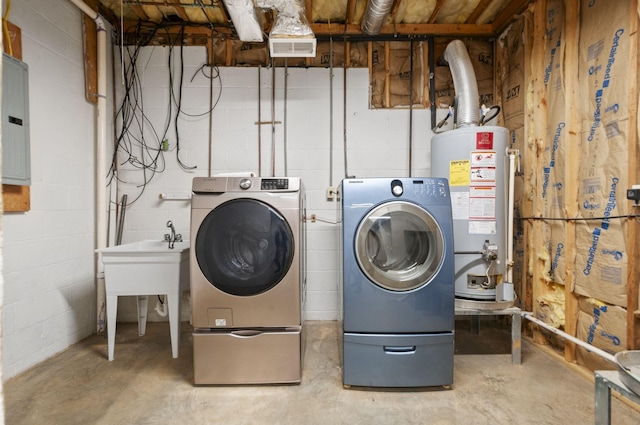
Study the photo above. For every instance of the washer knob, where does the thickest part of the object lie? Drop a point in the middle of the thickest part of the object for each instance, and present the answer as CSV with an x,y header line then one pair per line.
x,y
245,184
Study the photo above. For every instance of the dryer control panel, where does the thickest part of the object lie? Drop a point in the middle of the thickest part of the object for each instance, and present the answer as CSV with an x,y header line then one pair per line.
x,y
274,184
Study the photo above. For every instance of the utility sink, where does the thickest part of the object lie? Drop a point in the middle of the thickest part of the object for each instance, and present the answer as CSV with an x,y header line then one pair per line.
x,y
141,269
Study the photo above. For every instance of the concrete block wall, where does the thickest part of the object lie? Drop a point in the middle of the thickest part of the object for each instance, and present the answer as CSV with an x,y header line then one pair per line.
x,y
48,263
377,140
47,253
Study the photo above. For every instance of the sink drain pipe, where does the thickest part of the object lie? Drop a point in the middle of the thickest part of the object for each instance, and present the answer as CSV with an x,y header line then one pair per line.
x,y
529,316
100,166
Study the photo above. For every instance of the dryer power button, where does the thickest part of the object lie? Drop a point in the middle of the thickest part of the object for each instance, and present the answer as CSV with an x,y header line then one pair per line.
x,y
396,188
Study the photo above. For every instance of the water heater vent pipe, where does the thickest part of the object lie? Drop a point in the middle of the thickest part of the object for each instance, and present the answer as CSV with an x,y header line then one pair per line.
x,y
464,84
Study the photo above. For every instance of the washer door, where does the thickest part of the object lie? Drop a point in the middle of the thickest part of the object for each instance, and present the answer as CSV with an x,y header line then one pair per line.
x,y
244,247
399,246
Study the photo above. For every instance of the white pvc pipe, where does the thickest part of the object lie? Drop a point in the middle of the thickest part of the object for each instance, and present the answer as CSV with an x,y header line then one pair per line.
x,y
529,316
510,206
101,137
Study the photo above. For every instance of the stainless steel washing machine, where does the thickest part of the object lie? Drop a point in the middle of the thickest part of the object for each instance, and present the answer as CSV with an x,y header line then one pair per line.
x,y
397,282
247,279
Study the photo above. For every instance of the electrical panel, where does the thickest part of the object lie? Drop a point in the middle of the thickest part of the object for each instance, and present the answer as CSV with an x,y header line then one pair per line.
x,y
16,163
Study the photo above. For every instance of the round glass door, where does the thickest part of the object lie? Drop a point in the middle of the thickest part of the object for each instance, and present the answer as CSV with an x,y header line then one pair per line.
x,y
244,247
399,246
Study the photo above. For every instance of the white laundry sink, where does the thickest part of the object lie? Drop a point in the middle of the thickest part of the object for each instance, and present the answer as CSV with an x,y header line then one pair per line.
x,y
141,269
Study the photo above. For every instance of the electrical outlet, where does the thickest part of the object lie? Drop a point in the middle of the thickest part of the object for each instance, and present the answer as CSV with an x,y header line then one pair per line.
x,y
633,194
331,193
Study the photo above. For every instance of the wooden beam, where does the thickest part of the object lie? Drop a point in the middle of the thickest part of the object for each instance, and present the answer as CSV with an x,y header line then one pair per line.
x,y
394,10
229,51
633,231
90,37
436,11
505,17
481,30
477,11
223,9
182,13
572,166
196,34
139,11
536,128
211,56
387,76
13,44
16,198
347,55
308,10
351,11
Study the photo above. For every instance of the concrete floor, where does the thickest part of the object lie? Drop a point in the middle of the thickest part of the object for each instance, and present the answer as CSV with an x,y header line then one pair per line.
x,y
144,385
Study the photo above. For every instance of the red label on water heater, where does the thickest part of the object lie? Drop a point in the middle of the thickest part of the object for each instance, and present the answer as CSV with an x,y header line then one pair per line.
x,y
484,140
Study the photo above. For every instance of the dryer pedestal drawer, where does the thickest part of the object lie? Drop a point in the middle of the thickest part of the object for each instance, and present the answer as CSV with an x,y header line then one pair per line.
x,y
247,356
408,360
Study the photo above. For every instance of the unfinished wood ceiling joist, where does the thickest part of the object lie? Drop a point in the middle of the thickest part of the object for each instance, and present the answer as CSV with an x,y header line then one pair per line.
x,y
327,18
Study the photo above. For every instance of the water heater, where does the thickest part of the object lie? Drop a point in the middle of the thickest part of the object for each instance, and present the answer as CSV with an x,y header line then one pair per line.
x,y
474,160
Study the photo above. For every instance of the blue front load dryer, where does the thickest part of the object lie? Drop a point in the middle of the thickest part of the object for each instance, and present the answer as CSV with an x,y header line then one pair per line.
x,y
397,282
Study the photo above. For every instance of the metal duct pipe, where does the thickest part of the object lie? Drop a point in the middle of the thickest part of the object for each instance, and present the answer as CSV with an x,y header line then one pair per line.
x,y
464,84
374,16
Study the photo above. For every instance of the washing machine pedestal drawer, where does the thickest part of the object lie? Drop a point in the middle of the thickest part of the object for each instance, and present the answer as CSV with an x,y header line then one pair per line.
x,y
408,360
247,356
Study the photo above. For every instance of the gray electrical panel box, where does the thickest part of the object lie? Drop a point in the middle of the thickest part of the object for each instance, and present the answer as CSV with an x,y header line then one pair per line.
x,y
16,162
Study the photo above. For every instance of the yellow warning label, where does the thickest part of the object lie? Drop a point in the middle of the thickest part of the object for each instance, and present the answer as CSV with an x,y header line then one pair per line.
x,y
460,172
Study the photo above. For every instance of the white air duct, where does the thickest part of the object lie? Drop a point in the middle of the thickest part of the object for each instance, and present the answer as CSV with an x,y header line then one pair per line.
x,y
464,84
245,20
291,34
374,16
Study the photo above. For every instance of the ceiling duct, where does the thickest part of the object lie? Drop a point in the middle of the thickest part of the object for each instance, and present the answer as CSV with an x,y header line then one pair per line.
x,y
464,83
291,35
245,19
374,16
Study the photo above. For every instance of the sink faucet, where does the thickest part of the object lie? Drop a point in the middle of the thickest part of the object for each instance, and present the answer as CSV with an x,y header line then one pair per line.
x,y
172,238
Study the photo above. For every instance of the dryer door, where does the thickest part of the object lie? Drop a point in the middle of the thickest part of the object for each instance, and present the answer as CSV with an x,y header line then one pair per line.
x,y
244,247
399,246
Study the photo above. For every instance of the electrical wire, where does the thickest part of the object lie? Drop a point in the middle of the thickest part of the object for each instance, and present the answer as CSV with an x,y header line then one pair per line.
x,y
139,144
578,218
5,28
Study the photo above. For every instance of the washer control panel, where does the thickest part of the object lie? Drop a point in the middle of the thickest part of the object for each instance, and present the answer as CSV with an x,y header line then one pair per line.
x,y
274,184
